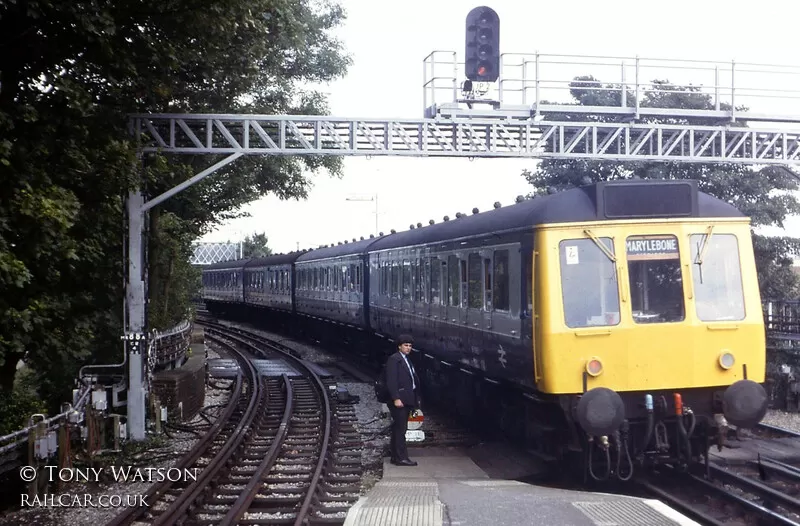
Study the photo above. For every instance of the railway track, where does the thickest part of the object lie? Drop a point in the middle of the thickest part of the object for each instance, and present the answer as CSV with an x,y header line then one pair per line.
x,y
281,453
763,491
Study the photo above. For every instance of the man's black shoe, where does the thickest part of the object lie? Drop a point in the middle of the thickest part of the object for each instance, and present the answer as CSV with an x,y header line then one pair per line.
x,y
404,463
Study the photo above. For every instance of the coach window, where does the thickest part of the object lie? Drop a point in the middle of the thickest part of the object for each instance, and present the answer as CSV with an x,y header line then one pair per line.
x,y
500,296
435,292
654,268
487,284
454,289
474,281
464,282
589,282
406,284
396,279
717,277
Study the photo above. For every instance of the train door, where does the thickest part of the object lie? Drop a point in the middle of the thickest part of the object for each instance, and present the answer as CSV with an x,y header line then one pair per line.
x,y
406,288
452,311
475,292
420,307
437,287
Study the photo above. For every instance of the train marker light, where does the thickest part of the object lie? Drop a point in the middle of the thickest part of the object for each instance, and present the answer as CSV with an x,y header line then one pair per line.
x,y
726,360
594,366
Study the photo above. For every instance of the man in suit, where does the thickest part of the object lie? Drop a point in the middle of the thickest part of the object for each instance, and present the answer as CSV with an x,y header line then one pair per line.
x,y
402,383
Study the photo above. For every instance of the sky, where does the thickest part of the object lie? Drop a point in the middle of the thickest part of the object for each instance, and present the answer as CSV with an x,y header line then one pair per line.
x,y
389,40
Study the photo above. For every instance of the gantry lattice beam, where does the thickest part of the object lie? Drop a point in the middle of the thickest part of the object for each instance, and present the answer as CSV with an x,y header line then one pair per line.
x,y
210,253
322,135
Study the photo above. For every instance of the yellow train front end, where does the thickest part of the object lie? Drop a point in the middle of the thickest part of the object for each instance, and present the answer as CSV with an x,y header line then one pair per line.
x,y
653,329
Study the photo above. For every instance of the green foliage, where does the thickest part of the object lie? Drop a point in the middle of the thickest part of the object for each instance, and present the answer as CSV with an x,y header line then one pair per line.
x,y
171,249
17,406
70,73
767,195
256,246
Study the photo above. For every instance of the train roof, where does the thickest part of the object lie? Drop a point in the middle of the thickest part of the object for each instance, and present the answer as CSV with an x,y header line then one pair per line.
x,y
359,247
608,200
232,264
276,259
630,199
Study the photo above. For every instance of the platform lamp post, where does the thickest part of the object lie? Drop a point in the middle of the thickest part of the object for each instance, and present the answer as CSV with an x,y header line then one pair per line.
x,y
370,198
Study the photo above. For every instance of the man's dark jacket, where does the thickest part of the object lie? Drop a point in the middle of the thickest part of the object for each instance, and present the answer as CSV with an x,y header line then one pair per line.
x,y
398,381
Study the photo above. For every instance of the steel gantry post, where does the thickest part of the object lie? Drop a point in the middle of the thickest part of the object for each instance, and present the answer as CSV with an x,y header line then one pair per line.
x,y
137,209
136,317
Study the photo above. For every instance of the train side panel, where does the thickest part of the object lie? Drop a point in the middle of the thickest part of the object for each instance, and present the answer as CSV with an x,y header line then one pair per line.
x,y
331,289
463,303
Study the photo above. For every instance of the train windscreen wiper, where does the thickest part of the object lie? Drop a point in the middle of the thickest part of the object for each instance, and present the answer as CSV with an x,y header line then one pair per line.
x,y
701,250
600,245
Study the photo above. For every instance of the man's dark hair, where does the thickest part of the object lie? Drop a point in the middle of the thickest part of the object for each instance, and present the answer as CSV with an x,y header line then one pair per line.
x,y
405,338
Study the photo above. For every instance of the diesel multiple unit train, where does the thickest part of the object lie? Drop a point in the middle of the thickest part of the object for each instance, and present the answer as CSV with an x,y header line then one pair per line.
x,y
617,324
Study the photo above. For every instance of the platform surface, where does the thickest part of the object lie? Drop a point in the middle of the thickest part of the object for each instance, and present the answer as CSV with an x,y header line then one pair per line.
x,y
740,452
448,489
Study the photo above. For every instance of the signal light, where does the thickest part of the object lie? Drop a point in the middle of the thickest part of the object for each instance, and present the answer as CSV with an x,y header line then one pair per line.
x,y
482,45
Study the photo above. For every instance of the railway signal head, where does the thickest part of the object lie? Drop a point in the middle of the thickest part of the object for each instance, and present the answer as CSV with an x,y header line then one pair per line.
x,y
483,45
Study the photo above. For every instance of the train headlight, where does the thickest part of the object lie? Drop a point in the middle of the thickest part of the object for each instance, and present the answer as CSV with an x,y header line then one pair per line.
x,y
726,360
594,366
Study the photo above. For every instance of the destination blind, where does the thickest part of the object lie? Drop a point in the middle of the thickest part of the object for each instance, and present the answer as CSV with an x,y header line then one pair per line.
x,y
652,247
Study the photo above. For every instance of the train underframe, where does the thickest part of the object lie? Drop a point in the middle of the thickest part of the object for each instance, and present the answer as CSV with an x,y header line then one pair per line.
x,y
659,429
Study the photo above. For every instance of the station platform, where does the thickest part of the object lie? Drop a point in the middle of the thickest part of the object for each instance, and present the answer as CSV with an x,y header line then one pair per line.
x,y
785,449
448,488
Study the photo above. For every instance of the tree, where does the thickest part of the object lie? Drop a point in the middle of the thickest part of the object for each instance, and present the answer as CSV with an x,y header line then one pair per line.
x,y
255,246
70,72
764,194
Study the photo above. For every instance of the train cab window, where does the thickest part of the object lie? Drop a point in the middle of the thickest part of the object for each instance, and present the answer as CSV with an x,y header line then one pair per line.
x,y
500,297
654,269
717,277
454,282
589,283
474,281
